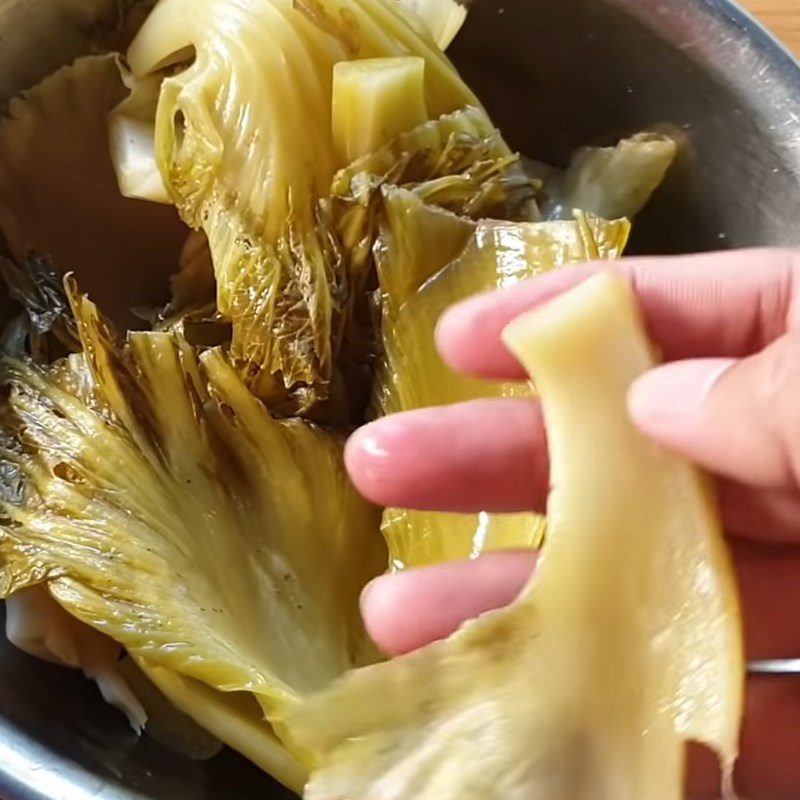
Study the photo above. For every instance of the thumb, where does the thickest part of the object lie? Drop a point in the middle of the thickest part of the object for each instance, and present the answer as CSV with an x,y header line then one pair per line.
x,y
737,418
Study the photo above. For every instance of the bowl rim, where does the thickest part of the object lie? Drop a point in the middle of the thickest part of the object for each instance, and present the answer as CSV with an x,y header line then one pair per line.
x,y
743,24
728,41
737,14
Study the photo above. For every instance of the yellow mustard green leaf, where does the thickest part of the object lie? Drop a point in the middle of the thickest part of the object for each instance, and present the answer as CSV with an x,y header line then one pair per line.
x,y
443,18
592,682
244,145
164,506
166,724
611,182
234,718
132,140
422,274
458,163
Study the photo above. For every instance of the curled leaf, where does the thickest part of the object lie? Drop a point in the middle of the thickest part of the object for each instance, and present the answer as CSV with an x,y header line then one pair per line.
x,y
612,181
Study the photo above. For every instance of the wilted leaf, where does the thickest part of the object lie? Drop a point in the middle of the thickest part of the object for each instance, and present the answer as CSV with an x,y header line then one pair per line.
x,y
611,182
165,507
427,261
49,330
243,141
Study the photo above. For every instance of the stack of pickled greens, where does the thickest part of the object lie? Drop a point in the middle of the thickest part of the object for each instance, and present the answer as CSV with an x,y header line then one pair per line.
x,y
226,248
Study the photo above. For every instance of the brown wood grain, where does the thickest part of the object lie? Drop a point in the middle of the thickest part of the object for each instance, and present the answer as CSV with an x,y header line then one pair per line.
x,y
782,17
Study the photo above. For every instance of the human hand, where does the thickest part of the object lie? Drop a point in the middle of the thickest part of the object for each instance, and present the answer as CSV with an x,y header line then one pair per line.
x,y
729,399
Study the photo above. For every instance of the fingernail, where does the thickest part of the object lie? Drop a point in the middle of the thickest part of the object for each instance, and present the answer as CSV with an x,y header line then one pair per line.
x,y
369,457
675,390
372,439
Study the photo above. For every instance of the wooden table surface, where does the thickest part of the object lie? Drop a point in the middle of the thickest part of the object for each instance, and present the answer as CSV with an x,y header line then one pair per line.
x,y
781,16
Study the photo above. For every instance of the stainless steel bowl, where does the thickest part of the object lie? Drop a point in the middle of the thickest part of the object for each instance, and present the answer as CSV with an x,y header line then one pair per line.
x,y
555,76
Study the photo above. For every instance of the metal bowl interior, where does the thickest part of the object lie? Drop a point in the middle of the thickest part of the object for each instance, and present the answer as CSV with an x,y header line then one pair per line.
x,y
560,75
555,76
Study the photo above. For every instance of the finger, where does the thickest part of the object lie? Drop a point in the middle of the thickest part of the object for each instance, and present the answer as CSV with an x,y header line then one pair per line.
x,y
736,418
479,456
411,609
768,767
724,304
491,455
